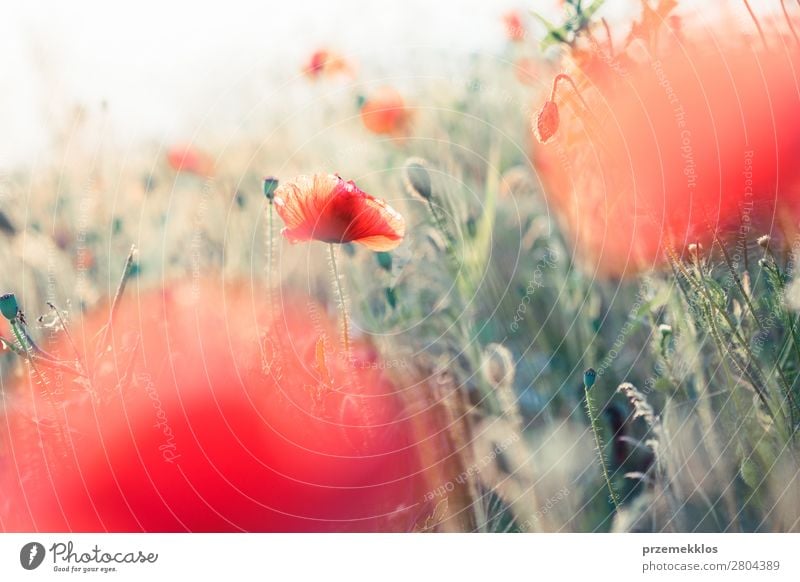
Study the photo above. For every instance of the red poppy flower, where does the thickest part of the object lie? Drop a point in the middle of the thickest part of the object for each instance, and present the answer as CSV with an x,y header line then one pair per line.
x,y
663,152
385,112
323,62
185,158
208,414
515,29
324,207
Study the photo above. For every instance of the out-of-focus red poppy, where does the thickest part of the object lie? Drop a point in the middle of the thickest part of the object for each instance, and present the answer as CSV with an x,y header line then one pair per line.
x,y
662,152
385,112
515,29
184,158
325,63
324,207
207,413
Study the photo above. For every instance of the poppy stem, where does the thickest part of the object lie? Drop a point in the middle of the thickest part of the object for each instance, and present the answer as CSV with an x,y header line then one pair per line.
x,y
565,77
81,361
127,270
342,303
270,259
598,441
270,186
22,339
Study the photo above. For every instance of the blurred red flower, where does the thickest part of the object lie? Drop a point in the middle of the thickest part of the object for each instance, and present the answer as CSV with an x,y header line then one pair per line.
x,y
184,158
324,207
663,152
515,29
385,112
323,63
208,414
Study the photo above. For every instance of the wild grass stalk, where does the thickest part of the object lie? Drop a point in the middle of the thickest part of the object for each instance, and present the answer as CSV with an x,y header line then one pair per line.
x,y
589,377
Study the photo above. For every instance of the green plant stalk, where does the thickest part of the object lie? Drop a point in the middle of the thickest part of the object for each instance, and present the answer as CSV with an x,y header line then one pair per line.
x,y
270,243
590,408
740,286
127,269
23,343
704,407
55,365
80,359
342,304
754,378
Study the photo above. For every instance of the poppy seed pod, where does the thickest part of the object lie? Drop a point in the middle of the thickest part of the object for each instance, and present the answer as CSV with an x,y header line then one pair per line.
x,y
417,179
9,306
546,121
589,376
270,185
384,260
498,365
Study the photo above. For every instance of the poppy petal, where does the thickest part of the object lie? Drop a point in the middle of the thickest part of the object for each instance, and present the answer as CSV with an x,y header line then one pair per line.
x,y
324,207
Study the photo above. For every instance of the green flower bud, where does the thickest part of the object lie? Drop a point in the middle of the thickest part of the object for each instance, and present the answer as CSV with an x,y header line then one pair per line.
x,y
384,260
9,306
270,185
589,376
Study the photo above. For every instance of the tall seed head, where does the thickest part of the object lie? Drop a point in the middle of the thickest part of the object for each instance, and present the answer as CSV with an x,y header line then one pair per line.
x,y
417,179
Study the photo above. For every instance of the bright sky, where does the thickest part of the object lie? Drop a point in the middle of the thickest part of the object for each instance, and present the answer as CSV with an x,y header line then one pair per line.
x,y
161,64
157,62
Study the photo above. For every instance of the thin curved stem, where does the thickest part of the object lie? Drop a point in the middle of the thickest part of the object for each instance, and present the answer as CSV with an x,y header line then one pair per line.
x,y
342,303
565,77
270,259
21,337
598,441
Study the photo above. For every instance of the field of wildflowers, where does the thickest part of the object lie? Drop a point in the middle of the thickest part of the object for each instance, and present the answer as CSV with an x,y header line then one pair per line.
x,y
550,290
